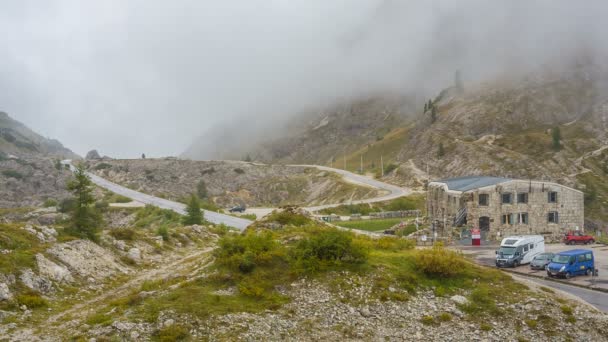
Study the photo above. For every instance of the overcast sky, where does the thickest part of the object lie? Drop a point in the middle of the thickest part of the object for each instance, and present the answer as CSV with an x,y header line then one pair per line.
x,y
127,77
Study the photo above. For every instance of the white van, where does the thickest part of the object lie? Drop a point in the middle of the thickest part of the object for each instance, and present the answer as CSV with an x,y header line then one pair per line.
x,y
518,250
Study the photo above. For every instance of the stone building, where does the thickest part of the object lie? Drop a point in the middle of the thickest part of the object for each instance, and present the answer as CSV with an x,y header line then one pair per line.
x,y
500,206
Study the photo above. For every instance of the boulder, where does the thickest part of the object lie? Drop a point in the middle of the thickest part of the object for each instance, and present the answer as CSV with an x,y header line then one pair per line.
x,y
134,254
35,282
458,299
53,271
5,293
93,154
48,219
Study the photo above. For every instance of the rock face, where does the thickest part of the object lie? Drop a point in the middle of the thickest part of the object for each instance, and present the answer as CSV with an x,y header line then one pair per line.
x,y
87,259
53,271
93,154
5,293
35,282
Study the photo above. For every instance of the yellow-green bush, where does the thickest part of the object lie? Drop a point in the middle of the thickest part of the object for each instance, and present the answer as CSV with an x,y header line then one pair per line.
x,y
245,252
31,300
326,247
440,262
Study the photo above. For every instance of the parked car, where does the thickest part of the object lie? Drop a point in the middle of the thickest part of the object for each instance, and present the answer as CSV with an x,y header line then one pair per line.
x,y
518,250
237,209
575,237
541,261
572,263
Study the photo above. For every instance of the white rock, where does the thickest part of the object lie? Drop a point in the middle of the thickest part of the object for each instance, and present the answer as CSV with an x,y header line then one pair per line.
x,y
53,271
458,299
5,293
35,282
134,254
168,322
120,245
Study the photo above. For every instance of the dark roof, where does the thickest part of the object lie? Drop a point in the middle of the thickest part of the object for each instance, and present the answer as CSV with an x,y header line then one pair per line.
x,y
575,252
471,182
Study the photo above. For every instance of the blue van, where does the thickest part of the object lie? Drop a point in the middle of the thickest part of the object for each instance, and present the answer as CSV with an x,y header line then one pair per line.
x,y
571,263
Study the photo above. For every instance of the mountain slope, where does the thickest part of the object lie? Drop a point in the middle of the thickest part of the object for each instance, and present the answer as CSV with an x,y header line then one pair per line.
x,y
502,128
19,140
30,172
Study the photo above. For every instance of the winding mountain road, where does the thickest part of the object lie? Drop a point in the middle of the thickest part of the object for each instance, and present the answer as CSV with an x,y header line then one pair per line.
x,y
239,223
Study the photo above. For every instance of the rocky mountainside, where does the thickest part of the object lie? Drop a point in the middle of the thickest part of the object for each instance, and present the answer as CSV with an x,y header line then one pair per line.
x,y
30,172
229,183
313,136
500,128
18,140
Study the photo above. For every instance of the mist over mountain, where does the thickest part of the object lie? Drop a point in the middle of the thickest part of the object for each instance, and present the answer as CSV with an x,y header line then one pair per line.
x,y
94,75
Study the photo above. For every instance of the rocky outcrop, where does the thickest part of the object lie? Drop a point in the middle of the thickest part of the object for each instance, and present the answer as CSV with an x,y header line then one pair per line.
x,y
134,254
36,282
43,233
5,293
92,155
87,259
53,271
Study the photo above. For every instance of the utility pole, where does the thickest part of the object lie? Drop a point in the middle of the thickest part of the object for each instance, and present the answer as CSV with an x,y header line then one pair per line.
x,y
345,159
382,166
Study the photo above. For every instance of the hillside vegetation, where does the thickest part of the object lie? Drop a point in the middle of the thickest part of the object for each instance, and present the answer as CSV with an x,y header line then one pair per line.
x,y
228,183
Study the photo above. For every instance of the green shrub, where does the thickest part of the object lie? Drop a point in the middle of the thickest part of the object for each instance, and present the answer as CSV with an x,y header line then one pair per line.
x,y
326,247
99,318
164,232
485,327
288,218
445,317
571,319
126,234
102,205
389,168
50,202
12,174
531,323
239,171
439,262
245,252
394,244
102,166
31,300
173,333
566,310
67,205
427,320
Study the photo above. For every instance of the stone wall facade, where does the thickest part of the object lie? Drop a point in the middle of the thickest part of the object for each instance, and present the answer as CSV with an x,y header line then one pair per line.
x,y
565,206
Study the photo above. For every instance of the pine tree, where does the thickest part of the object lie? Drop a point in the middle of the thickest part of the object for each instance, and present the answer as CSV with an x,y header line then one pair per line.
x,y
201,189
433,114
440,151
194,214
557,137
425,107
85,220
143,156
458,81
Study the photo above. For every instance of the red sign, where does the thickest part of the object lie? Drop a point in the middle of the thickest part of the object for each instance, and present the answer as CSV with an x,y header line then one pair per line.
x,y
475,233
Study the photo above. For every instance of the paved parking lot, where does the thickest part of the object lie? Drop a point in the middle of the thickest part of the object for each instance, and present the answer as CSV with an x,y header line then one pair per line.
x,y
486,255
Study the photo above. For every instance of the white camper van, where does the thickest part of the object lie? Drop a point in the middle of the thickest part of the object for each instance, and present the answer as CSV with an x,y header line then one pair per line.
x,y
518,250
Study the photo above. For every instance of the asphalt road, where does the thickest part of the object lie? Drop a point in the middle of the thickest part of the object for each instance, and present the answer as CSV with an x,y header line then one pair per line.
x,y
393,190
596,298
239,223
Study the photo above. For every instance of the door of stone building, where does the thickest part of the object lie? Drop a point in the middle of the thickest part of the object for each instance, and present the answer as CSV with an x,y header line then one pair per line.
x,y
484,227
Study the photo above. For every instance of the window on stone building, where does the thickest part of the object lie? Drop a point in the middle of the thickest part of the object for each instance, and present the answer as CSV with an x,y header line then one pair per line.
x,y
553,217
522,197
506,198
484,199
508,219
552,196
523,218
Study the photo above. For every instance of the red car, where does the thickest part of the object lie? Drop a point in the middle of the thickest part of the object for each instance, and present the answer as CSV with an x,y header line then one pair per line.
x,y
572,238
